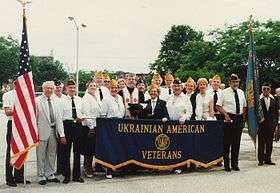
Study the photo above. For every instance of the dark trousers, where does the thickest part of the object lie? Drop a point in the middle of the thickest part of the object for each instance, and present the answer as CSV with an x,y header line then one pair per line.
x,y
265,142
59,162
232,138
73,138
12,174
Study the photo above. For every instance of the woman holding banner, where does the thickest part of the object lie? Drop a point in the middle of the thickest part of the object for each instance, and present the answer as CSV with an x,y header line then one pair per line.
x,y
91,108
113,107
204,102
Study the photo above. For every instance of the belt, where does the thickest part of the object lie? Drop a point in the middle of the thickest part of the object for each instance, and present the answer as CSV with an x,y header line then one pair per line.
x,y
234,115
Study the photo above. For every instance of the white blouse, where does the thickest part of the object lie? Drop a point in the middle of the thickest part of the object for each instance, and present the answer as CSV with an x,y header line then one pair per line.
x,y
202,110
179,107
113,107
91,108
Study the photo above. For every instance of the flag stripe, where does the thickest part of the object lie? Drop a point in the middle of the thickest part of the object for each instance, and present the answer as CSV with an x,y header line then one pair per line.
x,y
20,161
20,129
16,138
14,146
29,84
23,103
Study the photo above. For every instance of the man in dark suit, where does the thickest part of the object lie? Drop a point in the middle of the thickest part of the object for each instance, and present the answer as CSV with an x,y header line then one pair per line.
x,y
156,108
267,127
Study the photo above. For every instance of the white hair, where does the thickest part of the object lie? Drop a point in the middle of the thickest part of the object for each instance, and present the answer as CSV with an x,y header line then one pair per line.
x,y
277,89
48,83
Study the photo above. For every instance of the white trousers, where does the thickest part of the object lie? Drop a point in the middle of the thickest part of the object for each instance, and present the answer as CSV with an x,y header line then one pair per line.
x,y
46,157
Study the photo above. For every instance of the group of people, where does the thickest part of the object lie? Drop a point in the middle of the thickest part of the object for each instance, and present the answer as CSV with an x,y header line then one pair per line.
x,y
67,121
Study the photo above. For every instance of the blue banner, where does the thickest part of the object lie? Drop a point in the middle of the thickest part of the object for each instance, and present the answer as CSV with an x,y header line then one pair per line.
x,y
157,145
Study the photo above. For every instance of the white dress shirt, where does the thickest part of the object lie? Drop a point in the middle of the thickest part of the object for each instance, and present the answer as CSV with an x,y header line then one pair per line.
x,y
105,92
226,100
67,107
113,106
153,104
267,100
179,107
9,100
91,109
164,93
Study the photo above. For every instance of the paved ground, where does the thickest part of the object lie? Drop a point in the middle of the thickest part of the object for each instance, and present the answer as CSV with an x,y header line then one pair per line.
x,y
251,179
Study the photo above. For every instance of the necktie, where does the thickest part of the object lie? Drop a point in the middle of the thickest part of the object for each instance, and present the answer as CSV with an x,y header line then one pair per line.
x,y
267,103
169,91
74,112
51,111
100,94
215,100
237,104
153,106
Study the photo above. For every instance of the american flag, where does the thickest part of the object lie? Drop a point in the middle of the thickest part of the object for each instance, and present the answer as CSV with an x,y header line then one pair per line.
x,y
24,127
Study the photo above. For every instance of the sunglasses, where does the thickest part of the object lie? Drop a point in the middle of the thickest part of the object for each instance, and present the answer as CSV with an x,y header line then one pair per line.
x,y
106,81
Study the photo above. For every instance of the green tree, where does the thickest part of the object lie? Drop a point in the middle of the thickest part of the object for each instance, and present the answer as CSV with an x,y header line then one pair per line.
x,y
44,69
174,43
9,58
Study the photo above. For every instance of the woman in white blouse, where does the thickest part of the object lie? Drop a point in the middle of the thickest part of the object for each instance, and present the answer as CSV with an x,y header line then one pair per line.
x,y
91,108
204,102
113,107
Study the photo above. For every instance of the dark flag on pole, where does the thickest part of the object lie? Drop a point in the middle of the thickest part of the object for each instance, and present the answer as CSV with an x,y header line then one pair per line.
x,y
24,127
255,113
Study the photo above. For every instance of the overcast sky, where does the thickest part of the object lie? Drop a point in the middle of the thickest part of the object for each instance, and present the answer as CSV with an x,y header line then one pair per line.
x,y
121,34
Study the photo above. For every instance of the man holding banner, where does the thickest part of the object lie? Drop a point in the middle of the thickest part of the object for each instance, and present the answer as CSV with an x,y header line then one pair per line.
x,y
232,104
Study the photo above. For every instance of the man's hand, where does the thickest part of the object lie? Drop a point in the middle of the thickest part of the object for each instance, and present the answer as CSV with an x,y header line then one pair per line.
x,y
63,140
182,121
91,132
79,120
227,118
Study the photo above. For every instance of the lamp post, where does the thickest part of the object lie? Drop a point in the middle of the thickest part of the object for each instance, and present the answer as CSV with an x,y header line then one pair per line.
x,y
77,26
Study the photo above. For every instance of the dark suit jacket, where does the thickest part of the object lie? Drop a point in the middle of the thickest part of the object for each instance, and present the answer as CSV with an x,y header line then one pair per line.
x,y
193,102
270,115
160,110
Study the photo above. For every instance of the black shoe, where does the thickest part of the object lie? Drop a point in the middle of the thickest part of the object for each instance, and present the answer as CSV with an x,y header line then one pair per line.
x,y
235,168
11,184
66,180
22,182
55,180
227,169
42,182
260,164
81,180
269,163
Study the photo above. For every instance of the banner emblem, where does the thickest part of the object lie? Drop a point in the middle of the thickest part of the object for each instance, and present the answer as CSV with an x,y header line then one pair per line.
x,y
162,142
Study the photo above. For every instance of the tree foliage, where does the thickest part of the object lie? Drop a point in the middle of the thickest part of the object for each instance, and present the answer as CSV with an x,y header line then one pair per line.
x,y
185,52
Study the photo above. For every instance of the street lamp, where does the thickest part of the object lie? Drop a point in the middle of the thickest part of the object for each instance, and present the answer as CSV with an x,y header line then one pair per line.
x,y
77,50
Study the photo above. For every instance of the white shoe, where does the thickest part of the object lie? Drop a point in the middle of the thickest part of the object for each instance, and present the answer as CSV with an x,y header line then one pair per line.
x,y
109,176
178,171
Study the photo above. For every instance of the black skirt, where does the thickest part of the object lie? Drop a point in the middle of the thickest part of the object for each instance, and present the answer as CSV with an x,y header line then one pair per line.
x,y
88,142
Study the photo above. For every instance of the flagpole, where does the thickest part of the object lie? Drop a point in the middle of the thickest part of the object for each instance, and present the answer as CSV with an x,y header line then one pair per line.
x,y
24,3
250,26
